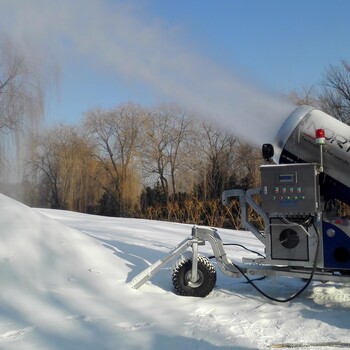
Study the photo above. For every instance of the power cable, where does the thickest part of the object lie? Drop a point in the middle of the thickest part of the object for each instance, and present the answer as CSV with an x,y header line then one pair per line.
x,y
250,281
297,293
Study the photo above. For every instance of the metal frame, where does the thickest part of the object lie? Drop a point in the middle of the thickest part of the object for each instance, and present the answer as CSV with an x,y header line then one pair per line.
x,y
255,267
245,199
200,235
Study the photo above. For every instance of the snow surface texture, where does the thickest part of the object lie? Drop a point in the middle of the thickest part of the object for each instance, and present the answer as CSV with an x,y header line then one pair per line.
x,y
64,285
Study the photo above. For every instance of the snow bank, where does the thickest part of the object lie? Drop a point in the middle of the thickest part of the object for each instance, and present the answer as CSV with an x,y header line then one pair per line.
x,y
64,285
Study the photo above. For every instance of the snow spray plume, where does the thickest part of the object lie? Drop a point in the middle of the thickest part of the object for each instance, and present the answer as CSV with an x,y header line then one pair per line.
x,y
141,51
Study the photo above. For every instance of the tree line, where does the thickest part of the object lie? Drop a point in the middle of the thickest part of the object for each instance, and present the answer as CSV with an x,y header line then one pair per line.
x,y
133,161
155,162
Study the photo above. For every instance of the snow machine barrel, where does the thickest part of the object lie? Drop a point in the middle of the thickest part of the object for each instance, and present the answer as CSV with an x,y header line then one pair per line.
x,y
295,143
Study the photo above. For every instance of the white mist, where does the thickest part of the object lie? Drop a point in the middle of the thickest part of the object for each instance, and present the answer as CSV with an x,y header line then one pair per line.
x,y
119,40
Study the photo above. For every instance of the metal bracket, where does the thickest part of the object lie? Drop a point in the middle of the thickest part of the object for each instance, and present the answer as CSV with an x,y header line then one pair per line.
x,y
147,274
200,235
245,198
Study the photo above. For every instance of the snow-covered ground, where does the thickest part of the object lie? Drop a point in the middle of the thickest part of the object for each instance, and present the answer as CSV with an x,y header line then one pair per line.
x,y
65,285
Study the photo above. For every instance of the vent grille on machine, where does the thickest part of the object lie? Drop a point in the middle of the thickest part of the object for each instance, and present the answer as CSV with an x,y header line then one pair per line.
x,y
288,242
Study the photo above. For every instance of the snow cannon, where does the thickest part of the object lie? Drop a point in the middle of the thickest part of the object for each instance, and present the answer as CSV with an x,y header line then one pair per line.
x,y
311,179
303,186
297,142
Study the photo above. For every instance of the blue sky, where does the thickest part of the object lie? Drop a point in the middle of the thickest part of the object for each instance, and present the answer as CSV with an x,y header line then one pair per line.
x,y
150,51
284,44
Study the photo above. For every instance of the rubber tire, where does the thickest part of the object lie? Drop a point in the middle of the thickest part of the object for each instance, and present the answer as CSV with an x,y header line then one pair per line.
x,y
207,281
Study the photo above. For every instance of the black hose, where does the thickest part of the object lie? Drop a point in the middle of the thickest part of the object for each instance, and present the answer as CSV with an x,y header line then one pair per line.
x,y
300,291
241,246
250,281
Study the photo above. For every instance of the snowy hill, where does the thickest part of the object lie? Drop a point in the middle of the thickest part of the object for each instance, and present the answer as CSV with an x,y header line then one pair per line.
x,y
64,285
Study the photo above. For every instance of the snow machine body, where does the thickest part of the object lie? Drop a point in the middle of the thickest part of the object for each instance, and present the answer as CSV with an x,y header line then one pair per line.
x,y
303,185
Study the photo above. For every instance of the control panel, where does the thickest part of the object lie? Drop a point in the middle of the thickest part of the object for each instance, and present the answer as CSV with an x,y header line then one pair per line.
x,y
290,189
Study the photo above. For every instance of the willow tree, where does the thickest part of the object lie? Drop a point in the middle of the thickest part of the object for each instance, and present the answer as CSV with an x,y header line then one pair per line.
x,y
21,100
62,163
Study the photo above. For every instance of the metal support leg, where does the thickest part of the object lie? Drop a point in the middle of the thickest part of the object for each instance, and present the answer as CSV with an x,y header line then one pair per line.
x,y
200,235
194,272
147,274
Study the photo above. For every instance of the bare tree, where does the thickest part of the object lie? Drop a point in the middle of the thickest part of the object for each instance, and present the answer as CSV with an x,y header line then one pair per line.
x,y
154,153
335,96
247,163
178,150
216,159
165,134
306,96
115,134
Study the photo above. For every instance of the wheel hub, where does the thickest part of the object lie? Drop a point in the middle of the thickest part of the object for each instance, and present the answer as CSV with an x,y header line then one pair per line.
x,y
197,283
